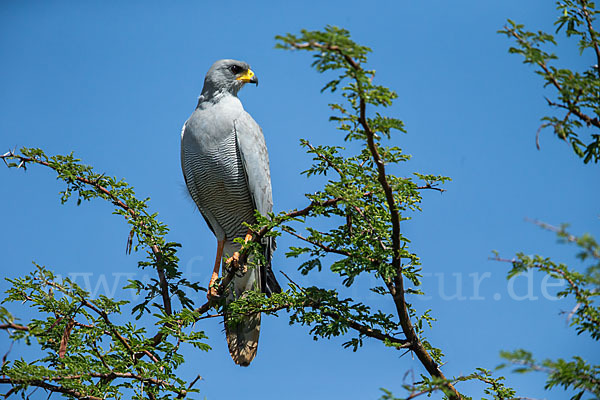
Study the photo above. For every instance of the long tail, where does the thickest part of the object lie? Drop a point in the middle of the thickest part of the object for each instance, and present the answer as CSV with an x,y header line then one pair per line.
x,y
242,338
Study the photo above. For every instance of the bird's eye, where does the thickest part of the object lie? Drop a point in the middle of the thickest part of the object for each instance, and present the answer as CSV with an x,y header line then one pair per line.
x,y
235,69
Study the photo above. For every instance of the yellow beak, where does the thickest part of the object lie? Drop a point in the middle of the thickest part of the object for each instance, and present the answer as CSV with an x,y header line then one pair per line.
x,y
247,77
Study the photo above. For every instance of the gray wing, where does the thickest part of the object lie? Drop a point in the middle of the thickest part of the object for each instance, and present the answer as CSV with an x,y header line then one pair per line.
x,y
191,189
255,159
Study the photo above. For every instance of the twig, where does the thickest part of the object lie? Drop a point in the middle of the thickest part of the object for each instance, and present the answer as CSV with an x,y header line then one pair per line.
x,y
326,159
292,282
537,135
318,244
101,313
552,79
5,356
365,330
430,186
16,327
335,48
52,388
593,34
362,214
563,275
108,376
119,203
192,383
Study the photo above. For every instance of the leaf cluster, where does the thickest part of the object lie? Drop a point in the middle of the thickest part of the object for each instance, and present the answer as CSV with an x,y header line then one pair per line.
x,y
361,239
576,374
365,203
87,350
146,230
577,94
584,288
494,387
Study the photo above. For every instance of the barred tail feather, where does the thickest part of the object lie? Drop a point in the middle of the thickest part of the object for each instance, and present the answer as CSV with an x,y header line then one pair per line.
x,y
242,339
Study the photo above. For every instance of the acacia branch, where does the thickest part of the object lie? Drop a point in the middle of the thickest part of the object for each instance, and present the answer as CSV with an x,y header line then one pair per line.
x,y
569,237
305,211
290,215
572,107
341,174
376,334
592,32
335,48
49,387
95,349
396,285
101,313
431,187
560,272
577,290
373,230
183,393
16,327
112,375
107,376
326,159
164,287
318,244
363,329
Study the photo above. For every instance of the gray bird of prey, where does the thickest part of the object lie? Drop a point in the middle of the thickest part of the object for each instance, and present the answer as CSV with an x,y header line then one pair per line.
x,y
226,169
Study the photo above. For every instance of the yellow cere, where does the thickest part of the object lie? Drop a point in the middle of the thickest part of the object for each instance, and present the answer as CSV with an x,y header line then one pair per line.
x,y
246,76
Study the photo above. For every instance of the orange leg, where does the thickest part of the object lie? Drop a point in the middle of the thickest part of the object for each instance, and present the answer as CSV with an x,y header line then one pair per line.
x,y
215,274
236,256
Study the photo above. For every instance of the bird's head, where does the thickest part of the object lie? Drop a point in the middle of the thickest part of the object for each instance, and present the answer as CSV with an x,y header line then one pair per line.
x,y
228,76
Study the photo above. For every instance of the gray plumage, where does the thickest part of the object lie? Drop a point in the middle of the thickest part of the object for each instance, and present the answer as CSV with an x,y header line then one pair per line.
x,y
226,168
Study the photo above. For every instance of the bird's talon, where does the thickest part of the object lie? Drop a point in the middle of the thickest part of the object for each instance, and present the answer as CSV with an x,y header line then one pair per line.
x,y
212,292
234,260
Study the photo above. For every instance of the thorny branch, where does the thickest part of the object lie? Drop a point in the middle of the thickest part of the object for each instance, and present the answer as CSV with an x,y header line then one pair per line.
x,y
395,285
117,202
572,107
156,251
564,275
51,388
105,376
163,284
567,236
101,313
318,244
365,330
326,159
593,34
14,326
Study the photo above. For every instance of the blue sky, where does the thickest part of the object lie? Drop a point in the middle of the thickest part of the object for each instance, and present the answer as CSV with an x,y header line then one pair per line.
x,y
115,81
